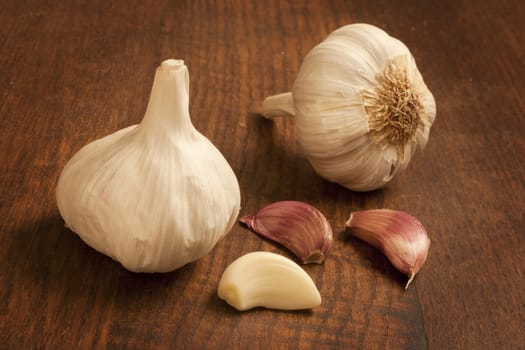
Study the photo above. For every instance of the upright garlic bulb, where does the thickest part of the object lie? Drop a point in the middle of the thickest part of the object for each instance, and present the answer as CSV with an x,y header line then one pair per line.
x,y
156,195
361,107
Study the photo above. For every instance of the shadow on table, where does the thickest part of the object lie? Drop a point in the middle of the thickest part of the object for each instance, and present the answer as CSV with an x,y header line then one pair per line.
x,y
49,259
216,304
276,168
371,258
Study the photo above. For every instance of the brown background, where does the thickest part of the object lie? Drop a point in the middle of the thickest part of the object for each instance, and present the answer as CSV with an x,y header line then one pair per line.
x,y
74,71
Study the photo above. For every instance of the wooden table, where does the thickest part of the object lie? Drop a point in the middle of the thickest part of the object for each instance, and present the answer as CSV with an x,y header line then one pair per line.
x,y
74,71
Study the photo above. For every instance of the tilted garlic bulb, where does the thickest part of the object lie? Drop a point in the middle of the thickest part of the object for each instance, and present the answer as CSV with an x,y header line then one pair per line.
x,y
156,195
361,107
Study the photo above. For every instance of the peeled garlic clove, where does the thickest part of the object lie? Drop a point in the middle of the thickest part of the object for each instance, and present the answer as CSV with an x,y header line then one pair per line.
x,y
298,226
153,196
400,236
268,280
360,106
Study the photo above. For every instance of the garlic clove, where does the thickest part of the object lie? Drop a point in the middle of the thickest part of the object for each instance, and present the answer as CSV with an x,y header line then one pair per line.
x,y
400,236
298,226
267,280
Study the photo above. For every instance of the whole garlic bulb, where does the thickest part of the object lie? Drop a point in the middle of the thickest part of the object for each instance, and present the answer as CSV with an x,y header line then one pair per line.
x,y
361,107
156,195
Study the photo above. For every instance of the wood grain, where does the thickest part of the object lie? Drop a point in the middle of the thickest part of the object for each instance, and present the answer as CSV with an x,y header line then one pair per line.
x,y
74,71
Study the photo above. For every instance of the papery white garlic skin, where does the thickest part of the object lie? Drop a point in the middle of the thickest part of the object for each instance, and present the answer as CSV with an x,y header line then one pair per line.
x,y
153,196
265,279
400,236
351,132
298,226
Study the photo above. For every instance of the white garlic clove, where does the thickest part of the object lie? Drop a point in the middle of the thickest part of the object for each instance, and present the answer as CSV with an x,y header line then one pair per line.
x,y
298,226
153,196
400,236
264,279
360,105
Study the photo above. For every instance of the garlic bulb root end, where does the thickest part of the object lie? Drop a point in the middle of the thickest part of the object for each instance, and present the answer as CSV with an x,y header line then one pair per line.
x,y
394,106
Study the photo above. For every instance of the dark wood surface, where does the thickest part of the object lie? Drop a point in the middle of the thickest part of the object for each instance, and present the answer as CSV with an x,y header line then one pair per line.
x,y
74,71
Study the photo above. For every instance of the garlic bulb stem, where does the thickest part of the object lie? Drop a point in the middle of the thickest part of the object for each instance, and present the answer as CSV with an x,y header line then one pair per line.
x,y
278,105
168,106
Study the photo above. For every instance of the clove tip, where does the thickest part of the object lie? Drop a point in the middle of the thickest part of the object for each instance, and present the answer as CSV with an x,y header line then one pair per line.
x,y
246,220
348,222
410,279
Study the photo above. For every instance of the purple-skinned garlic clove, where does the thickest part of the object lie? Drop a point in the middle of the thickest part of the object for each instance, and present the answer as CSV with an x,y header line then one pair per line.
x,y
298,226
400,236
